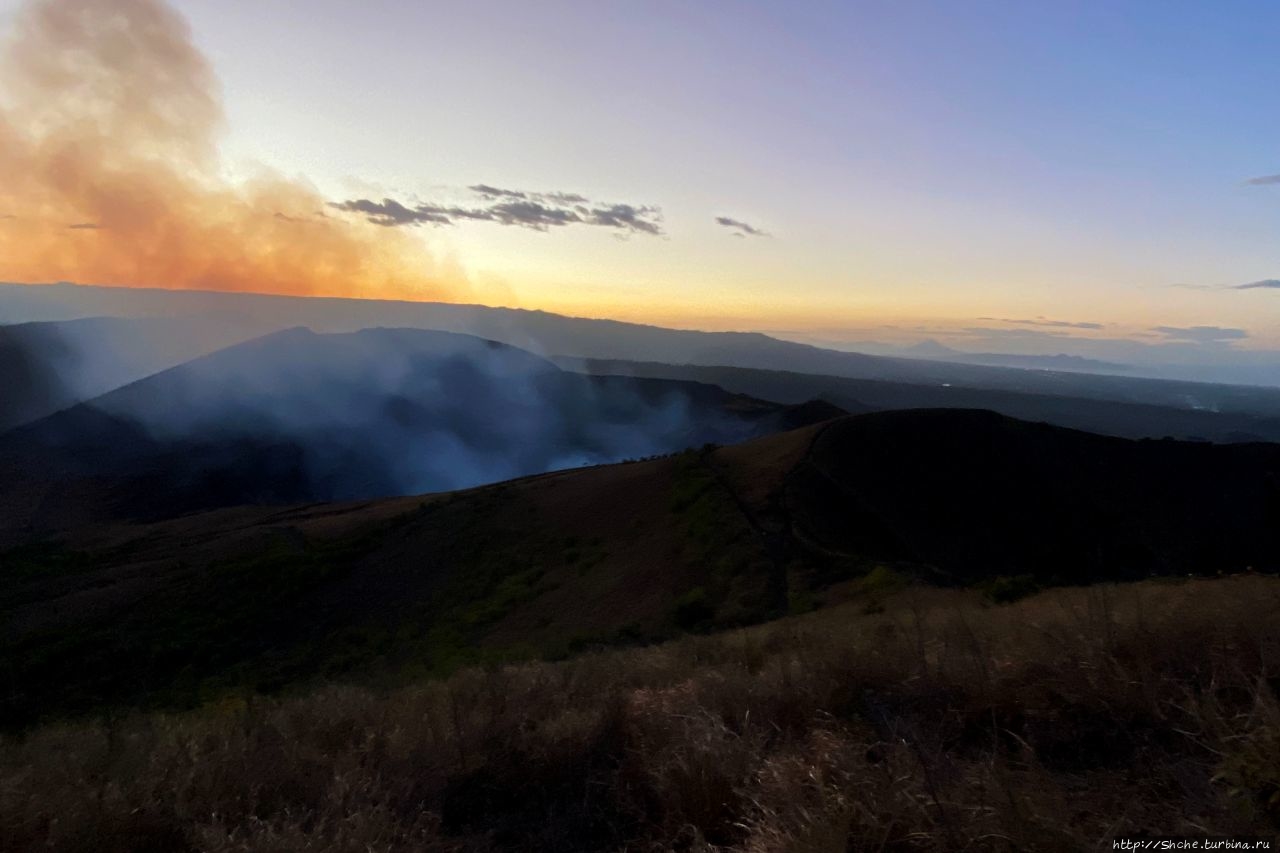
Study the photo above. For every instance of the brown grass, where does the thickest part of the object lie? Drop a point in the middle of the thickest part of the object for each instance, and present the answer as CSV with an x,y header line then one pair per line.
x,y
939,724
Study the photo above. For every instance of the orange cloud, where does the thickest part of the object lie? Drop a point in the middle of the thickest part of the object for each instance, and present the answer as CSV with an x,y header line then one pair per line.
x,y
110,173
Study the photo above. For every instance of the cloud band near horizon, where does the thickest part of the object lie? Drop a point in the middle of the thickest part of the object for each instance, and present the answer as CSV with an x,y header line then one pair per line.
x,y
539,211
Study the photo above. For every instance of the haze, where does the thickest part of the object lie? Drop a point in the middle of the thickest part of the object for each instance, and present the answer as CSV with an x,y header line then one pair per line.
x,y
1086,179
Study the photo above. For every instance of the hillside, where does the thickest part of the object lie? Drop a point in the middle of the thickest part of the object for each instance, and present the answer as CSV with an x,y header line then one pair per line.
x,y
298,416
172,611
907,719
971,493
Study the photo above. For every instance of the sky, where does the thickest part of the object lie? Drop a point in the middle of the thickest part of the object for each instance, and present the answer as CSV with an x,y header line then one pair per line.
x,y
1044,177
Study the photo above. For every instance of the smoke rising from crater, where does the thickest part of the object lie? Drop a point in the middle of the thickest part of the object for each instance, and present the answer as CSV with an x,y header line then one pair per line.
x,y
297,416
111,118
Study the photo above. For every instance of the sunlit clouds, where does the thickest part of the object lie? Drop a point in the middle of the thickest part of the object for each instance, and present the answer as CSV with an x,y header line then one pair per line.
x,y
110,172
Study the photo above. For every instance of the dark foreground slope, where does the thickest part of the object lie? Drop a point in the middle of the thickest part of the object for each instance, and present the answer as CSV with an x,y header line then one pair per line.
x,y
924,720
973,493
173,611
297,416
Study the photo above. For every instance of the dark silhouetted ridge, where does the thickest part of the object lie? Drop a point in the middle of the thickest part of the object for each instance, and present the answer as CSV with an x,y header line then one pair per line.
x,y
975,494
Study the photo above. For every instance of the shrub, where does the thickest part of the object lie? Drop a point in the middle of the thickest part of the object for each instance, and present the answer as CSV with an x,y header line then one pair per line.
x,y
882,579
1005,589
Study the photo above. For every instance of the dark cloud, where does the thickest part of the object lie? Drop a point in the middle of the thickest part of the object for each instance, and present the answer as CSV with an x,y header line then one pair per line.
x,y
740,228
1201,334
563,198
1265,284
1042,321
556,198
495,192
529,214
539,211
646,220
85,226
1263,180
390,212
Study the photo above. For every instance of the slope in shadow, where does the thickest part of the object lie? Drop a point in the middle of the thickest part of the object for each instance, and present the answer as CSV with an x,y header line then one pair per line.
x,y
171,611
972,494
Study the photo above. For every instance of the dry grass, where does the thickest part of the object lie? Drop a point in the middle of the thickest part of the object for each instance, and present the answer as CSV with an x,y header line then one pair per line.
x,y
938,724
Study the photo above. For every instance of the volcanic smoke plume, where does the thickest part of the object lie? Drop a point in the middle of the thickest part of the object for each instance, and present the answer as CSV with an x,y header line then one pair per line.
x,y
110,172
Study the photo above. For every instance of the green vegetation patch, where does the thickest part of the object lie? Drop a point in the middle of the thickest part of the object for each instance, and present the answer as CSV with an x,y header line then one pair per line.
x,y
733,578
39,561
1005,589
490,553
193,632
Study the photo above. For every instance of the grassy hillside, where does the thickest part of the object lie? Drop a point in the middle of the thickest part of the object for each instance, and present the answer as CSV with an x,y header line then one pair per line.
x,y
907,718
970,495
176,613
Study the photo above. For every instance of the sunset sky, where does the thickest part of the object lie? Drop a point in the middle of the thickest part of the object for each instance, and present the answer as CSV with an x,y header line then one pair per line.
x,y
991,174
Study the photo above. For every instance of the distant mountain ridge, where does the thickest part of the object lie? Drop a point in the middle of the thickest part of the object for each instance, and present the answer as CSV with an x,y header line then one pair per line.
x,y
1218,414
552,334
933,350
